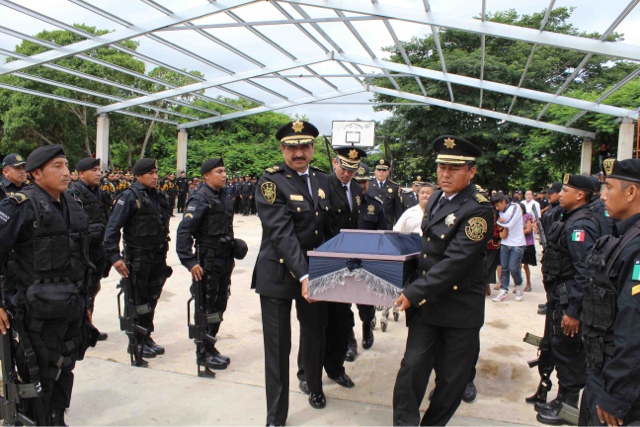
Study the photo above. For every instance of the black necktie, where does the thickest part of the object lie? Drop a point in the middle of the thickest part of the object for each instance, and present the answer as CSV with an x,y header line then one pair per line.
x,y
443,201
305,178
346,193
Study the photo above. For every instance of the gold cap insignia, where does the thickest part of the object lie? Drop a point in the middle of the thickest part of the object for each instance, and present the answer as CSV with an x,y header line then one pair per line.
x,y
297,126
268,190
371,209
381,161
607,165
19,158
449,143
353,154
476,229
449,220
566,178
361,171
418,178
321,193
155,163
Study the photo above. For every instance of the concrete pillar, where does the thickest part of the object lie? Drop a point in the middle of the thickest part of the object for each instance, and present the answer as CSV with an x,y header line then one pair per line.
x,y
102,141
181,163
626,138
587,153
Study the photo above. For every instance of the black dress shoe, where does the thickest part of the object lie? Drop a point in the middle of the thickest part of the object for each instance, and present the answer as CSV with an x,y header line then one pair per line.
x,y
367,336
155,347
147,352
103,336
352,352
543,311
542,305
470,393
304,387
317,401
343,380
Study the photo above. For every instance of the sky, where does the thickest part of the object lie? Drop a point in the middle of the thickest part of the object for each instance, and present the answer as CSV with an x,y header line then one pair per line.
x,y
589,15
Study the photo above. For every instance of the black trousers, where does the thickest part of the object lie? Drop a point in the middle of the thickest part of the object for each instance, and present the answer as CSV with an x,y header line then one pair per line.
x,y
366,312
150,275
182,199
217,282
246,204
456,350
276,324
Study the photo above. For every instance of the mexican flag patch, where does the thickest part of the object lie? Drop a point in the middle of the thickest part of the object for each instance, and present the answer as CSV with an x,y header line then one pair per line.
x,y
636,271
577,236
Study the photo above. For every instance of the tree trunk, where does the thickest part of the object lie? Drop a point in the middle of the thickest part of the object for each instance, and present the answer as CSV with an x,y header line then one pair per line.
x,y
148,135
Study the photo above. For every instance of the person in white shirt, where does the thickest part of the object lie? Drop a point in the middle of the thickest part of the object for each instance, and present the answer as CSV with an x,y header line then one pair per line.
x,y
512,247
411,219
530,204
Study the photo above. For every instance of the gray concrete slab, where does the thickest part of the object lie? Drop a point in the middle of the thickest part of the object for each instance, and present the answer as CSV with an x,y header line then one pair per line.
x,y
108,391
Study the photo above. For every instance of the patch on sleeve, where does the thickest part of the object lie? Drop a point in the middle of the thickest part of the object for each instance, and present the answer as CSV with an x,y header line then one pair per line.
x,y
577,236
476,229
635,275
120,202
268,190
191,208
188,215
4,217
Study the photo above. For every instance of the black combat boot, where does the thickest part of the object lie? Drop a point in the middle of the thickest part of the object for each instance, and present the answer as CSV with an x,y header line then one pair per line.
x,y
367,335
157,349
57,417
552,417
548,406
217,354
352,347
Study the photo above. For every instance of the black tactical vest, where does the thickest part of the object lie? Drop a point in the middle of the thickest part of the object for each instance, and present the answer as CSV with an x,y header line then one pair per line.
x,y
599,307
56,251
216,227
147,228
557,264
95,208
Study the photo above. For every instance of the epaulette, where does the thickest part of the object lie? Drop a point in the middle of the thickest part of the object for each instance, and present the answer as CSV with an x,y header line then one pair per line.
x,y
273,169
394,183
316,169
480,198
19,197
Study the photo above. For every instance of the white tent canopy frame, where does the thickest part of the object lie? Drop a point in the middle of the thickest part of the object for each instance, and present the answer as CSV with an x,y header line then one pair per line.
x,y
333,66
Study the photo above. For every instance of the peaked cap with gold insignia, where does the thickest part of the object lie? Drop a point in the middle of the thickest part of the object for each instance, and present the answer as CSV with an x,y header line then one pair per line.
x,y
383,164
455,150
349,157
13,160
362,174
297,133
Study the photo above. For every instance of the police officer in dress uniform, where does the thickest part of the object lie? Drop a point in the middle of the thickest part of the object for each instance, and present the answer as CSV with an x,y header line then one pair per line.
x,y
246,194
565,276
293,202
143,213
387,191
183,190
171,189
97,205
409,200
611,307
49,303
209,222
445,304
13,175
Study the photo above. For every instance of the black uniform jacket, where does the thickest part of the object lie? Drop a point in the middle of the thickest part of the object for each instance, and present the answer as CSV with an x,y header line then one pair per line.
x,y
293,223
390,196
342,216
409,200
449,289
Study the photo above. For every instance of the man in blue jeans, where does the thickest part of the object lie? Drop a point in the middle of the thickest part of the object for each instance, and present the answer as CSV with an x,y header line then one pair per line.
x,y
512,247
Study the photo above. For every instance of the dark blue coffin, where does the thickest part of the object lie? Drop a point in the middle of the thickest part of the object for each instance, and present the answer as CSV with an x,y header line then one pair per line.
x,y
363,267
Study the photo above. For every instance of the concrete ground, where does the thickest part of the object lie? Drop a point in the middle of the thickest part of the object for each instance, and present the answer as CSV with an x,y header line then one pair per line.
x,y
108,391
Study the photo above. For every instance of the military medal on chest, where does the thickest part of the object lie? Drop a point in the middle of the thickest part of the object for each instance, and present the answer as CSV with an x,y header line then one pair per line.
x,y
449,220
358,200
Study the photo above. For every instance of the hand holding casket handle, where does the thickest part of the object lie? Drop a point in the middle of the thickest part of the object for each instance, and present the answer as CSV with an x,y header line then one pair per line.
x,y
402,303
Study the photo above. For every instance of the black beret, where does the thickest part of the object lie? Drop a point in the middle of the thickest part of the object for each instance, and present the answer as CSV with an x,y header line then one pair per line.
x,y
145,165
87,163
579,182
627,170
382,164
455,150
597,185
13,160
362,174
349,157
40,156
297,133
211,164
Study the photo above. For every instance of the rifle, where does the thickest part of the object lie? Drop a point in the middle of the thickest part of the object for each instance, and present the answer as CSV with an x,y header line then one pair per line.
x,y
199,329
543,237
15,393
130,318
570,414
544,364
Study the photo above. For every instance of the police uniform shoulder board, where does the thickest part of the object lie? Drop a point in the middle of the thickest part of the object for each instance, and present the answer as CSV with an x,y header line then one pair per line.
x,y
480,198
273,169
19,197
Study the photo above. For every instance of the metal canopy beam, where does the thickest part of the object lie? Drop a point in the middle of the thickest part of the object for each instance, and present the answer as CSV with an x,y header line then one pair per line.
x,y
274,107
217,82
494,29
121,35
481,112
488,85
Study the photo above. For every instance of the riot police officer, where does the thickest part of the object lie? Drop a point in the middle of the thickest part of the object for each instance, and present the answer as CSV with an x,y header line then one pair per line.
x,y
183,189
565,275
142,212
610,314
97,205
246,194
46,228
550,215
209,222
387,191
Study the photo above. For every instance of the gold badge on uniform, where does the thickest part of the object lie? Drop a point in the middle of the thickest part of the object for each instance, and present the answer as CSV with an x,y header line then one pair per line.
x,y
607,165
358,200
476,229
566,178
297,126
449,143
391,190
449,220
371,209
321,193
268,190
